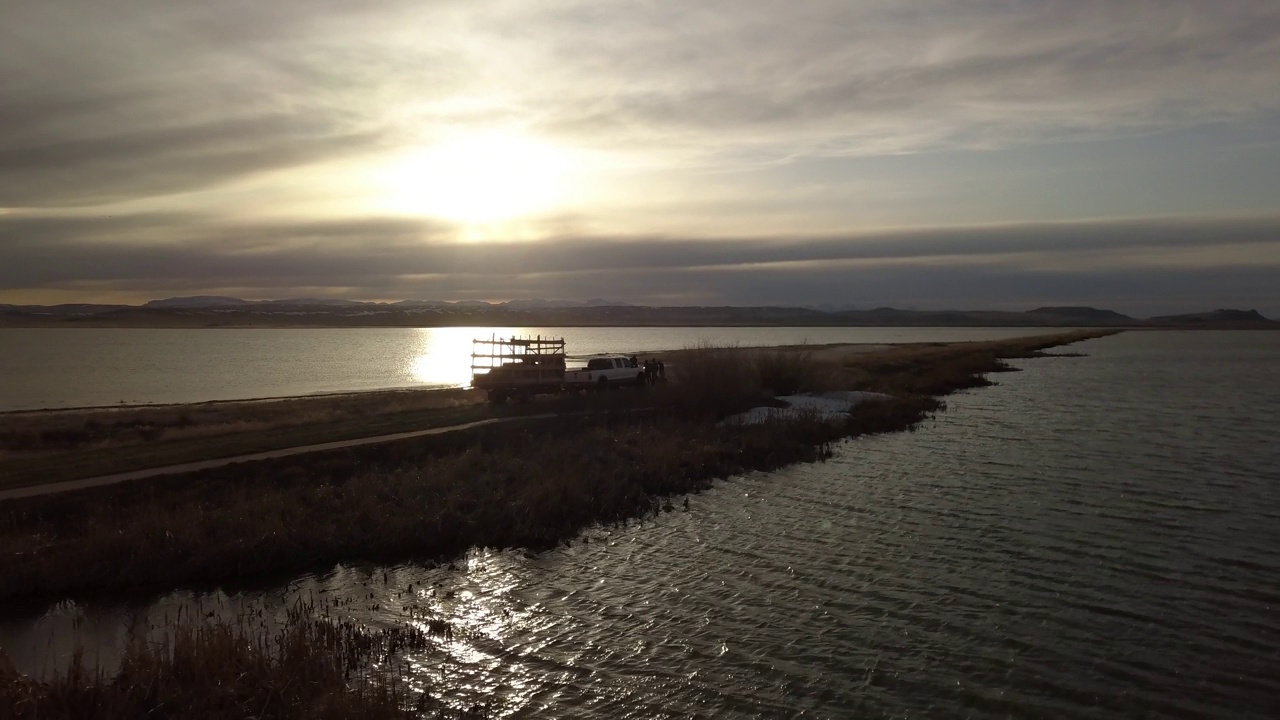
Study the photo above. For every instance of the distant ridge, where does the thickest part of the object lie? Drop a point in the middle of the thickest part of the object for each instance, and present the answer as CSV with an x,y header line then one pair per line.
x,y
1081,313
1217,317
210,301
221,311
314,302
540,304
196,301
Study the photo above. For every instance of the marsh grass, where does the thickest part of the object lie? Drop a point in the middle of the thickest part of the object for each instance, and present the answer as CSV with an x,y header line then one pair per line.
x,y
33,433
423,499
941,369
307,667
711,382
792,371
529,485
279,429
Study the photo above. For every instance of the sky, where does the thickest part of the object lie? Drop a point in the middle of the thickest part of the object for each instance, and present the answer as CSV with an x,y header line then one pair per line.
x,y
999,154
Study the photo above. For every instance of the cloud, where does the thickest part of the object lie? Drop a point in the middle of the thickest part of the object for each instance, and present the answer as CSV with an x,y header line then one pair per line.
x,y
396,258
880,76
107,101
115,101
233,113
168,160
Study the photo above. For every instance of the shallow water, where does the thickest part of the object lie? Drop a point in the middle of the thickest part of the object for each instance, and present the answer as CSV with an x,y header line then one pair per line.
x,y
1095,537
81,367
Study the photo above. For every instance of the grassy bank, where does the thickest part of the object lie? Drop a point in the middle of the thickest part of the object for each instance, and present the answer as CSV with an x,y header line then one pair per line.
x,y
45,431
309,667
430,498
51,446
530,485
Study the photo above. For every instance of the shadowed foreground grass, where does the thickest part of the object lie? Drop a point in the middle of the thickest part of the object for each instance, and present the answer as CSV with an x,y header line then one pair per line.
x,y
432,498
504,487
51,446
40,432
422,499
309,667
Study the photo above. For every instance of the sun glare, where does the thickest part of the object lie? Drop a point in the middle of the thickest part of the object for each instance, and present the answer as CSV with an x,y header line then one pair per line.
x,y
478,178
444,357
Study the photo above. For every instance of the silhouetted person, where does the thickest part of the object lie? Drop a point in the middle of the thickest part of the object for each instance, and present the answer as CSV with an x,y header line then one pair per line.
x,y
635,361
662,375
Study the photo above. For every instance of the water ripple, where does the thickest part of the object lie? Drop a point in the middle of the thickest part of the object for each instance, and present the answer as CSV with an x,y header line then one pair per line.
x,y
1095,537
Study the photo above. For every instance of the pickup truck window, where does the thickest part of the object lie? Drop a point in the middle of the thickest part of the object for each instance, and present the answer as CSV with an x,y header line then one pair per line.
x,y
599,364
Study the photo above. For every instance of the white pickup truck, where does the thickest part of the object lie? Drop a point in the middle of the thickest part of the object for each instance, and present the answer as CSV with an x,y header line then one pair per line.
x,y
605,372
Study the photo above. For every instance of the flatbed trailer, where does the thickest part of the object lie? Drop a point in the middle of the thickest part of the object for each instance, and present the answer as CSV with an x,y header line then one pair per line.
x,y
517,368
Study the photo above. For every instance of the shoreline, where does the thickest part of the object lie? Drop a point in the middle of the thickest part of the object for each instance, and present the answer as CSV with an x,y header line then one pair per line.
x,y
193,467
421,500
422,387
529,485
249,400
59,445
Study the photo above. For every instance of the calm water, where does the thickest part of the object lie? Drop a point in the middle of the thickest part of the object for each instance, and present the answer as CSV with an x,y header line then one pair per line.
x,y
58,368
1096,537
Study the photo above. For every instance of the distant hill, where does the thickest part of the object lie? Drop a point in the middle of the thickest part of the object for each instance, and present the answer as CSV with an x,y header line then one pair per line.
x,y
1085,314
540,304
220,311
215,301
1217,318
68,309
420,303
315,302
196,301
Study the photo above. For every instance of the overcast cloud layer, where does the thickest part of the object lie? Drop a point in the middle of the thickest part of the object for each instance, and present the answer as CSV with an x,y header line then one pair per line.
x,y
935,153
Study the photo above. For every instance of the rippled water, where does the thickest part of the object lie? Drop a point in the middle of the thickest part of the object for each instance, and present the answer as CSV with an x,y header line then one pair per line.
x,y
80,367
1095,537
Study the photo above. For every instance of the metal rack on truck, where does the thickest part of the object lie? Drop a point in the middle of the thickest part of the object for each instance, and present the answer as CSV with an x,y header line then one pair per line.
x,y
516,367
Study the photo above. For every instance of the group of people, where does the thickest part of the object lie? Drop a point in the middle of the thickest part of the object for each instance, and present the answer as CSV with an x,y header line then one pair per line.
x,y
655,371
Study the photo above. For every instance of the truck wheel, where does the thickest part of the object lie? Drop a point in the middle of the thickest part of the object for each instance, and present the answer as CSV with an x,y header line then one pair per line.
x,y
640,383
603,384
497,397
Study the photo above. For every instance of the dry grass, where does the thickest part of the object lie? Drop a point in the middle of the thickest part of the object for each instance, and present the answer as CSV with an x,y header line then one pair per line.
x,y
431,498
531,486
710,382
35,433
527,486
224,430
941,369
308,668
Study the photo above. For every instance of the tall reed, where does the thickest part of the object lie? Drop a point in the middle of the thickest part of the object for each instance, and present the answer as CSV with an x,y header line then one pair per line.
x,y
308,667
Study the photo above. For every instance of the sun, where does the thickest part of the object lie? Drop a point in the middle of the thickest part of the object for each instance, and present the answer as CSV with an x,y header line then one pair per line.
x,y
477,178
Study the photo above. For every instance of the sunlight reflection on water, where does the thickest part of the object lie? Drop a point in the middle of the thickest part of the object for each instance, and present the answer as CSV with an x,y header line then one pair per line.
x,y
1078,541
59,368
444,357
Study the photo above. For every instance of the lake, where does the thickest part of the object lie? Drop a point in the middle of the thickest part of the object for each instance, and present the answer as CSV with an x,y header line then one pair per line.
x,y
1094,537
84,367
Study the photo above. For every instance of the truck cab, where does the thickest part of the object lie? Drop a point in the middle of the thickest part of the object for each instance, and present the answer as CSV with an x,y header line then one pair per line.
x,y
604,372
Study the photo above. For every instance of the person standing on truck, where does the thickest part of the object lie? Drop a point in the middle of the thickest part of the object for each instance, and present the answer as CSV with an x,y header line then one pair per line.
x,y
635,361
